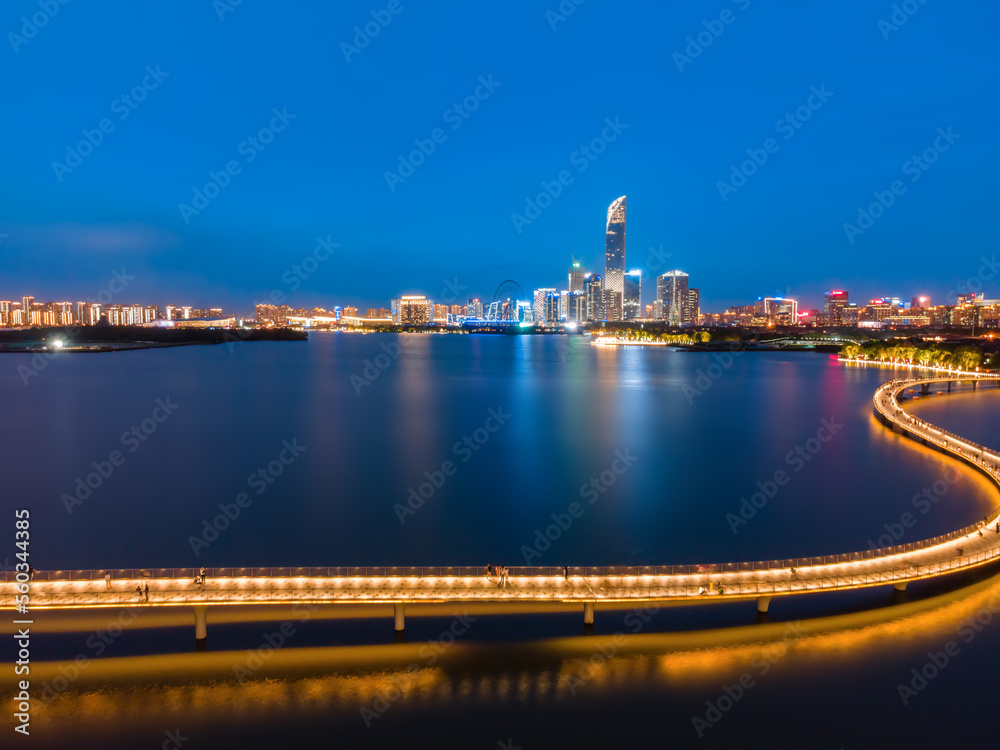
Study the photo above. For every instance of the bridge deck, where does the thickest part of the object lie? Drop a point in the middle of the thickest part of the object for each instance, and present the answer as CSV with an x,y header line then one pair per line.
x,y
963,549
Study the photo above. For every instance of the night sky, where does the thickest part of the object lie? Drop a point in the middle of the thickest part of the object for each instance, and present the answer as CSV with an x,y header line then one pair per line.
x,y
847,92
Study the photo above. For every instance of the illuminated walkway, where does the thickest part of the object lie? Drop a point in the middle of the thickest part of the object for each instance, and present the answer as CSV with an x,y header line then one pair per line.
x,y
960,550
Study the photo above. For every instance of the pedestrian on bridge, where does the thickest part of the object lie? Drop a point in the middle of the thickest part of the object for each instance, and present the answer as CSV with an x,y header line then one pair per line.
x,y
138,591
107,579
145,591
201,574
489,571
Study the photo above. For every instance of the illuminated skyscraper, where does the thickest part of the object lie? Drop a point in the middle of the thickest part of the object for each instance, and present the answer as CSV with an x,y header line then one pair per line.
x,y
833,303
576,274
614,259
631,300
672,291
592,288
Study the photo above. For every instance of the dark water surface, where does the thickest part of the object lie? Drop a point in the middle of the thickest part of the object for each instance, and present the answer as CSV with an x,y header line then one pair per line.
x,y
699,435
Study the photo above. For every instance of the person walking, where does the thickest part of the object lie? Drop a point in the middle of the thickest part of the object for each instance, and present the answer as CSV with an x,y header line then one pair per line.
x,y
489,571
566,573
145,591
138,592
202,574
31,572
107,579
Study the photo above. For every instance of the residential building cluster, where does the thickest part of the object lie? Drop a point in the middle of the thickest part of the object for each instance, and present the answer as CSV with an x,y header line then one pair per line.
x,y
27,312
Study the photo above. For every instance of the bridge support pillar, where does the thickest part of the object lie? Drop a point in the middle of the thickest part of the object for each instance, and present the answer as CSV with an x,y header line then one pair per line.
x,y
763,602
397,610
200,622
974,384
925,388
900,585
588,613
949,386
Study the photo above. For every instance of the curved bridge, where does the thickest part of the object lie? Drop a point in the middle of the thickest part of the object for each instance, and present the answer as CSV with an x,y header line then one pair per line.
x,y
963,549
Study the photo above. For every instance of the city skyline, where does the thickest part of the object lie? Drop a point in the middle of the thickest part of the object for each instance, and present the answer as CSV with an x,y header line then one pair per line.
x,y
703,124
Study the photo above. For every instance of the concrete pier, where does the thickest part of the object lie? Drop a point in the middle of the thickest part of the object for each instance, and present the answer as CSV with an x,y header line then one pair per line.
x,y
763,603
900,585
200,622
397,610
588,613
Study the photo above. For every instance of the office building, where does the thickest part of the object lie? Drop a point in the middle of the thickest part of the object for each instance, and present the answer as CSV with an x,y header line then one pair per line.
x,y
594,293
672,291
614,259
833,303
540,301
632,296
576,276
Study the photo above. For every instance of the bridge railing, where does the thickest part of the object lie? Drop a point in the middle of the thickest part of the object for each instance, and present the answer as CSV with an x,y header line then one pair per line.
x,y
520,588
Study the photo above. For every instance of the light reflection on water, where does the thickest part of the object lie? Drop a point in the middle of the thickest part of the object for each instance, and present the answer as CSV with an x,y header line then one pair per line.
x,y
200,687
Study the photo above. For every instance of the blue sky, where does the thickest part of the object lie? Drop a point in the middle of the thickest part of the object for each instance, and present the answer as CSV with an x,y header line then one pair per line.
x,y
686,114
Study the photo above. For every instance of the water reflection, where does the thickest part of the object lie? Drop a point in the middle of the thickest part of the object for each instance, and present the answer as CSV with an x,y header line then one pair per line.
x,y
345,679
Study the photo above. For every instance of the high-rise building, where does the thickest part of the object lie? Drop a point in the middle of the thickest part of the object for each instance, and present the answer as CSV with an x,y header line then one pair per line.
x,y
632,296
576,307
539,303
6,308
920,302
474,309
576,275
551,311
693,312
594,292
672,291
412,310
267,315
614,259
833,303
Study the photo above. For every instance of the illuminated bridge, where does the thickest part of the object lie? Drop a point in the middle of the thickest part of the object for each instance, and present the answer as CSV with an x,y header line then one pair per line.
x,y
577,587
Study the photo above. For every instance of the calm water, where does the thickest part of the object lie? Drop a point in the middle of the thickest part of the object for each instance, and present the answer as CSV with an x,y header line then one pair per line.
x,y
698,437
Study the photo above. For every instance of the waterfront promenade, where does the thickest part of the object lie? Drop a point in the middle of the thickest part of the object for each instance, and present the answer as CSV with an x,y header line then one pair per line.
x,y
580,587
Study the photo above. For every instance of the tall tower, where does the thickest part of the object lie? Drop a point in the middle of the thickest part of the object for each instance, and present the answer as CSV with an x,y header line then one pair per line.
x,y
614,259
